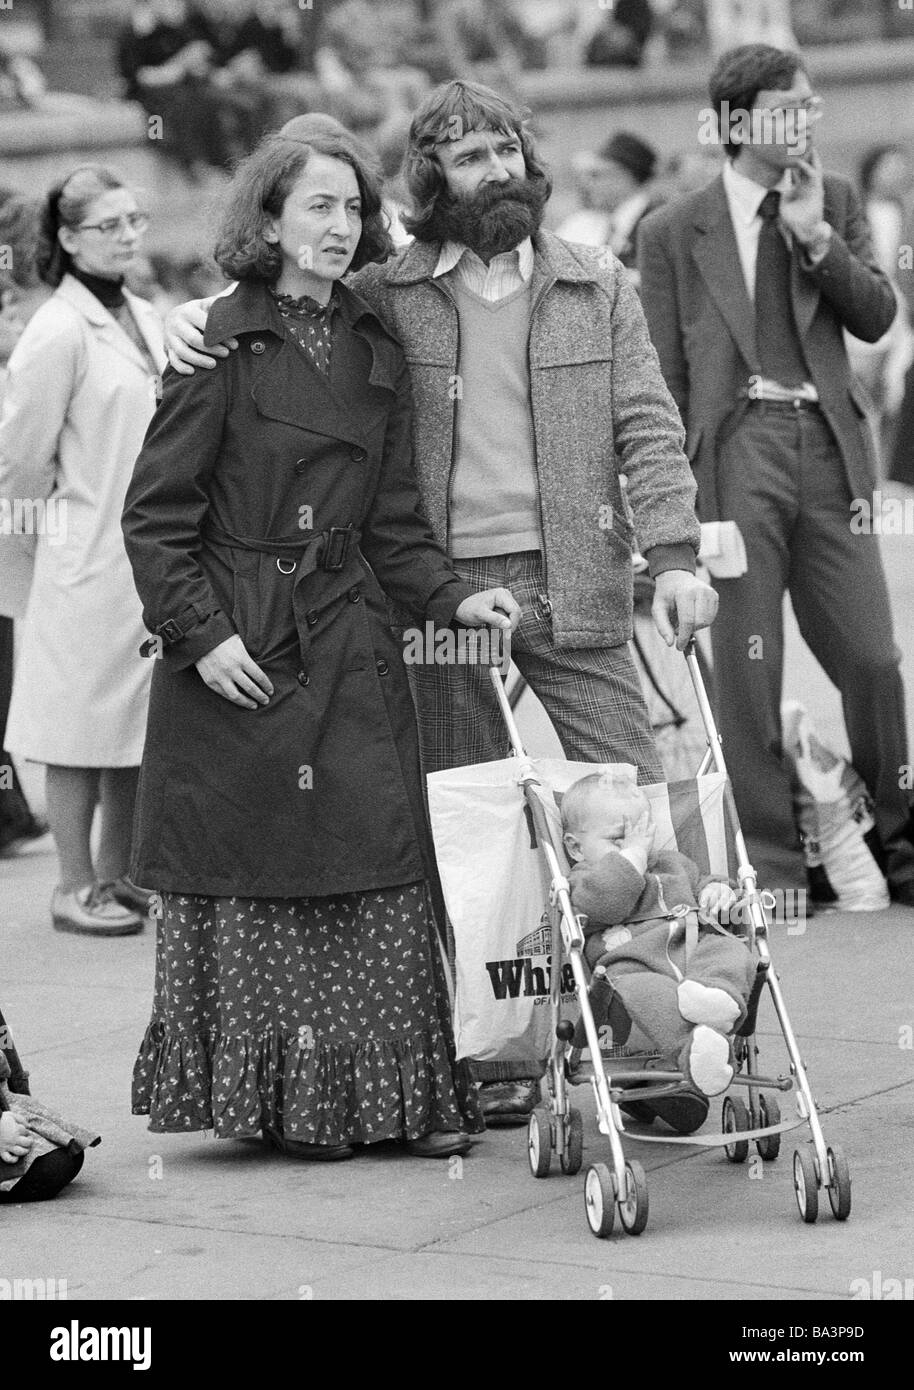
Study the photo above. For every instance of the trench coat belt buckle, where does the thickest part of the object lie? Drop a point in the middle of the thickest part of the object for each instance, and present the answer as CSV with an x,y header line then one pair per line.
x,y
327,550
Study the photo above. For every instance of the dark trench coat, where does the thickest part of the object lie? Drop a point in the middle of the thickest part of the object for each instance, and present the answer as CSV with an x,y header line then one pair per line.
x,y
244,470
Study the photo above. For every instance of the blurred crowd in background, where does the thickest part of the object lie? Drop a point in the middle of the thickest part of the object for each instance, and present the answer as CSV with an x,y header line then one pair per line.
x,y
217,74
213,76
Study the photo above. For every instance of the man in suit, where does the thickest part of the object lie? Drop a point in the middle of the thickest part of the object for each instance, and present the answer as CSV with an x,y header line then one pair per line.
x,y
748,285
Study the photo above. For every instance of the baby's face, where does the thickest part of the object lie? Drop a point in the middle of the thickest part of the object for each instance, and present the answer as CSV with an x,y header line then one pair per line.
x,y
606,826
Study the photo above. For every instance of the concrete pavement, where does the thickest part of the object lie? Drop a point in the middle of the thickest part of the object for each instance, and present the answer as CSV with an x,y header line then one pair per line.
x,y
188,1217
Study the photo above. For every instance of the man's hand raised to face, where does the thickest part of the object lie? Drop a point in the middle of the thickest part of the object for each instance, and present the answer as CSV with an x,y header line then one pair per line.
x,y
184,329
682,604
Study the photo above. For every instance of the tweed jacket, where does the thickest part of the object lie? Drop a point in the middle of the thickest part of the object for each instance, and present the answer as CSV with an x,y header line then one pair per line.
x,y
600,408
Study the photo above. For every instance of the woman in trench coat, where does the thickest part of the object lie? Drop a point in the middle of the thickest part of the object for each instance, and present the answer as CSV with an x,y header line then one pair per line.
x,y
299,990
80,392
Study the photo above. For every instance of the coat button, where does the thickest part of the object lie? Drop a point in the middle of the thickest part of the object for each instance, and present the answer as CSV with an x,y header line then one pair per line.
x,y
303,678
311,617
358,455
354,595
300,465
258,346
382,666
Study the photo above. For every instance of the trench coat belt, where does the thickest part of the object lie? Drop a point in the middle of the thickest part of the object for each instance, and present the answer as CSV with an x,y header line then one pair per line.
x,y
329,550
326,550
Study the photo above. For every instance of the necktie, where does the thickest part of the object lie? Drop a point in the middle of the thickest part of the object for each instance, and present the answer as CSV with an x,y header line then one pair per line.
x,y
780,351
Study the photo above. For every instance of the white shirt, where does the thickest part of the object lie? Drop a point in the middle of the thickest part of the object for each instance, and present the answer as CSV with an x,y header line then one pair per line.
x,y
744,198
502,276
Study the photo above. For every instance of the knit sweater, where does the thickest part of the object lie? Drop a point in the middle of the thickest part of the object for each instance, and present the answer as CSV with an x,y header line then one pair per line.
x,y
494,490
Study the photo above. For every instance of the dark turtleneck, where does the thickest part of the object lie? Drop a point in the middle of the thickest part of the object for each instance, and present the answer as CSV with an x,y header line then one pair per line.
x,y
110,293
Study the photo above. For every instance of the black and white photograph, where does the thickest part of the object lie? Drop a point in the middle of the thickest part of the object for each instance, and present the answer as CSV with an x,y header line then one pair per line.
x,y
456,669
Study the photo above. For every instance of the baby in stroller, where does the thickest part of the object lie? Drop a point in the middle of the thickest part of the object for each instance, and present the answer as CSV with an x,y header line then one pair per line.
x,y
659,956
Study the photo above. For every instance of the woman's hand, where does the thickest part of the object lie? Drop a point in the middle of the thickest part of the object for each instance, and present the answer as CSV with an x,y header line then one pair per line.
x,y
15,1139
184,329
233,674
490,608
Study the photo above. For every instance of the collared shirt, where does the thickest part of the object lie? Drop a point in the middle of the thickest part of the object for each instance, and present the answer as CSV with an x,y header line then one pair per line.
x,y
744,198
502,276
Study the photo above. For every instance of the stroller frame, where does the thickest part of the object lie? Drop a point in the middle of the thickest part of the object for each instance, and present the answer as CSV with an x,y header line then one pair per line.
x,y
558,1126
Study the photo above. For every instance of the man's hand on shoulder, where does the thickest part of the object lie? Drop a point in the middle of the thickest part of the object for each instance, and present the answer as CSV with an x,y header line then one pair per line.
x,y
682,604
185,326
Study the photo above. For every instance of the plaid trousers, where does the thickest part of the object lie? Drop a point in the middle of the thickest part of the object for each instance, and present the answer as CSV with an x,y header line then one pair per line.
x,y
592,695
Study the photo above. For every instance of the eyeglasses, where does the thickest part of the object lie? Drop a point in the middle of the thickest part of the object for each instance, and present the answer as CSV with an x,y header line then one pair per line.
x,y
133,221
811,108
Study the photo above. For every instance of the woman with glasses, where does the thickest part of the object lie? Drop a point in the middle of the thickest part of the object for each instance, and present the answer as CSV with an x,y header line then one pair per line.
x,y
81,390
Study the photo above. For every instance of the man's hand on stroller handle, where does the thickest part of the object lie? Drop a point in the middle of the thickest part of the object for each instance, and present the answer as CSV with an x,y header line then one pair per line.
x,y
682,604
490,608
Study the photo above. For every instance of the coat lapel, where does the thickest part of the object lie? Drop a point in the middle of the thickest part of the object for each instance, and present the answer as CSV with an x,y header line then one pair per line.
x,y
289,389
106,328
717,257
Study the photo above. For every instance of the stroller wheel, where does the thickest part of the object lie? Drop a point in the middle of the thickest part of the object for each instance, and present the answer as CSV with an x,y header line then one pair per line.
x,y
599,1200
770,1113
539,1142
734,1118
573,1156
839,1183
806,1184
633,1204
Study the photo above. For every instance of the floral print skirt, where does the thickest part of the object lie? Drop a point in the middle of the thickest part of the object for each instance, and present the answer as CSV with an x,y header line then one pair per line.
x,y
324,1018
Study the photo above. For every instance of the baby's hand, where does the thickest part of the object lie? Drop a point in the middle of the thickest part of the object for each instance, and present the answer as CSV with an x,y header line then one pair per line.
x,y
15,1139
715,899
639,835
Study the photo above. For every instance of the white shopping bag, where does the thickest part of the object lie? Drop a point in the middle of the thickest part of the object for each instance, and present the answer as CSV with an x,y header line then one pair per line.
x,y
834,815
496,888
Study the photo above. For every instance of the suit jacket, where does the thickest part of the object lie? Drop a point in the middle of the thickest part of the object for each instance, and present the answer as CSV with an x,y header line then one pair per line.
x,y
702,323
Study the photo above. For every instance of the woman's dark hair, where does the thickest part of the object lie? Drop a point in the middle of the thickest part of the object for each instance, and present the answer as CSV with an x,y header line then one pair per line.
x,y
260,187
741,73
66,206
448,113
870,163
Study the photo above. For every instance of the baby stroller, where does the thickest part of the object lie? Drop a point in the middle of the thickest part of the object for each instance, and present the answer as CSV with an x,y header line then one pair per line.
x,y
618,1079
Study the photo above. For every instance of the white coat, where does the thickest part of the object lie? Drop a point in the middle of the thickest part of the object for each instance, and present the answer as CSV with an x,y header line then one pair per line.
x,y
76,404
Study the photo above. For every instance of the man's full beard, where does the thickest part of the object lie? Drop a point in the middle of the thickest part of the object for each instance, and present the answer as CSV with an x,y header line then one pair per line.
x,y
494,219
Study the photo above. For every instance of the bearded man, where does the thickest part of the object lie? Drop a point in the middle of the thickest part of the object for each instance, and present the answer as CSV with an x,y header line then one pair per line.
x,y
535,386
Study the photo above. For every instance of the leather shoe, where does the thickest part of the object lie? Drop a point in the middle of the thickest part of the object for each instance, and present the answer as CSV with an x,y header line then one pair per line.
x,y
314,1153
126,892
509,1102
92,911
439,1145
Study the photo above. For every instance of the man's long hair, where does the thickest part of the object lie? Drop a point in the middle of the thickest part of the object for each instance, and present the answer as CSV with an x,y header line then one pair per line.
x,y
448,113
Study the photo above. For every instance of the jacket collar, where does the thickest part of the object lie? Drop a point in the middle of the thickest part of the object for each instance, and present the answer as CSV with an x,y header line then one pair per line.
x,y
93,311
553,259
250,308
717,257
81,298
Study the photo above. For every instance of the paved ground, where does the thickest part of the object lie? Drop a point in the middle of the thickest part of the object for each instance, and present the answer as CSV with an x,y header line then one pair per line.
x,y
160,1217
